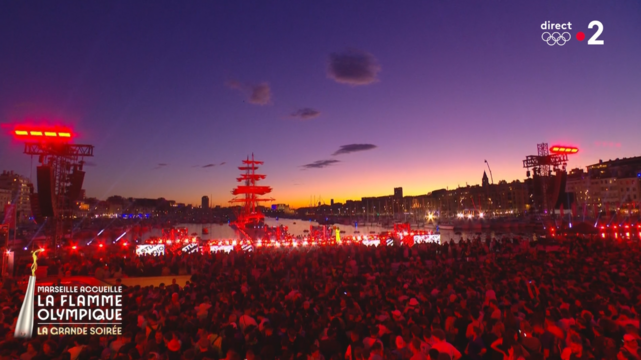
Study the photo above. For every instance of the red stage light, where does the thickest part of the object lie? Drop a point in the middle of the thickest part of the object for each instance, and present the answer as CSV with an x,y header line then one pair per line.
x,y
557,149
100,245
37,133
74,247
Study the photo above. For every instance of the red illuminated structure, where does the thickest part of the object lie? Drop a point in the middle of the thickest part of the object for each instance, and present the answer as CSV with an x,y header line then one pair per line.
x,y
61,166
249,196
48,134
558,149
548,186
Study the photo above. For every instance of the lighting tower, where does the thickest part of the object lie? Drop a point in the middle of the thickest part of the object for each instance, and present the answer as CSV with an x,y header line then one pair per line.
x,y
63,163
548,159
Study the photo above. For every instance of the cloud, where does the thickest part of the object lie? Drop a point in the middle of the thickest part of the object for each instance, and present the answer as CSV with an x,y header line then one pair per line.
x,y
261,94
305,113
209,165
319,164
233,84
222,163
160,165
347,149
257,94
353,67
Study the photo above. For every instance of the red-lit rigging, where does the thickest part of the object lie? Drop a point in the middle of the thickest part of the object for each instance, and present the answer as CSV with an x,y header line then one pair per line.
x,y
249,195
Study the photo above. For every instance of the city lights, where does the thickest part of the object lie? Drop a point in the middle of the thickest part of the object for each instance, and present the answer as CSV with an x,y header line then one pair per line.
x,y
290,241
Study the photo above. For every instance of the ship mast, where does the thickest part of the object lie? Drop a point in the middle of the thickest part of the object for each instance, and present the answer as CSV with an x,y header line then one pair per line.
x,y
249,194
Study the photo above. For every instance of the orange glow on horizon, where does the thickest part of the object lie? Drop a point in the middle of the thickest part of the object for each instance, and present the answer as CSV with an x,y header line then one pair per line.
x,y
353,182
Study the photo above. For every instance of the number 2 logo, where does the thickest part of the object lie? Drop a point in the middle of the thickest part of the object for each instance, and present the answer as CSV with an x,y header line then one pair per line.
x,y
594,40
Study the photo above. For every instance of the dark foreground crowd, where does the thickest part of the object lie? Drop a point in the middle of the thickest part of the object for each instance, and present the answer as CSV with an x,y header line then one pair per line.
x,y
500,300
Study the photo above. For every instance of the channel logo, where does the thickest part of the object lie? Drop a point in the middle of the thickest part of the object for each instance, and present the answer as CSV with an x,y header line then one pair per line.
x,y
69,310
561,33
556,38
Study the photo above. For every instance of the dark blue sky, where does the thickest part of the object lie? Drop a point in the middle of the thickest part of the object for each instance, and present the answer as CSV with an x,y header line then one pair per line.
x,y
436,86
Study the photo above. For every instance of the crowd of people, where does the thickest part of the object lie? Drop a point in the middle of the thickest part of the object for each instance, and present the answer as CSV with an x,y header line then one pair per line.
x,y
501,299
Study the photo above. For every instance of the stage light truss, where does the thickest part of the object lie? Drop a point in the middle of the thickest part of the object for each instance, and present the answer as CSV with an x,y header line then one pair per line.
x,y
64,158
533,161
542,164
58,149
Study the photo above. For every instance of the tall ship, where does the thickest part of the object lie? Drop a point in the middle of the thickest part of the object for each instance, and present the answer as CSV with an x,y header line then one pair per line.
x,y
250,221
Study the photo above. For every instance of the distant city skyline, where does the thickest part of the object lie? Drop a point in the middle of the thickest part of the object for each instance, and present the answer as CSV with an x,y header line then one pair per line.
x,y
314,200
343,101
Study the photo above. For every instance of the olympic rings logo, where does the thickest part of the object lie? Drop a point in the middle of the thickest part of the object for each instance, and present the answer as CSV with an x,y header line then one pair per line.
x,y
556,38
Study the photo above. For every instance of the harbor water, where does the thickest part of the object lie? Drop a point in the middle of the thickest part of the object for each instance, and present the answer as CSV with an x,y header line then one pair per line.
x,y
299,227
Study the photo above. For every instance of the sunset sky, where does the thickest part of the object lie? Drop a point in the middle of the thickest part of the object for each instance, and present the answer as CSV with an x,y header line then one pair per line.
x,y
341,99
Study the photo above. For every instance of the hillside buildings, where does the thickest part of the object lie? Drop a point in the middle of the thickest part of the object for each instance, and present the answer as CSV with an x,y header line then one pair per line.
x,y
607,186
19,188
502,199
